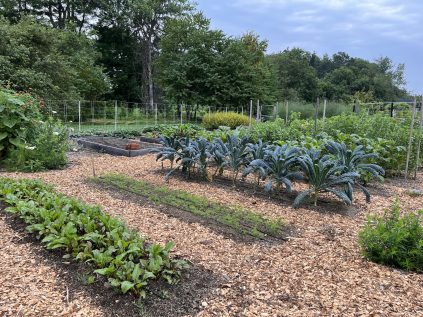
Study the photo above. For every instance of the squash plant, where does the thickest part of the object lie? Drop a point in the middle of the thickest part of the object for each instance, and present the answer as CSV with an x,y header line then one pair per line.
x,y
19,114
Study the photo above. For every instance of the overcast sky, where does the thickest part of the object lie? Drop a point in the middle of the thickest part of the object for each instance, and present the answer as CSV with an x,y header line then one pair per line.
x,y
367,29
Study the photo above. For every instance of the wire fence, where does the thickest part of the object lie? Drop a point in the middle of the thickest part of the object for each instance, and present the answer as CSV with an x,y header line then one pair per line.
x,y
84,115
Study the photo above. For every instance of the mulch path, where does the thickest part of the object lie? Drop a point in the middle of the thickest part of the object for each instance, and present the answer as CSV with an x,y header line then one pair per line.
x,y
319,272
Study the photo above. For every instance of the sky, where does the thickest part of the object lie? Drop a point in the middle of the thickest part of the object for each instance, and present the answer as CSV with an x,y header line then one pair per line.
x,y
361,28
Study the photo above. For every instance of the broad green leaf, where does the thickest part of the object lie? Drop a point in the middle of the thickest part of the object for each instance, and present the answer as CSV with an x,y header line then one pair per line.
x,y
125,286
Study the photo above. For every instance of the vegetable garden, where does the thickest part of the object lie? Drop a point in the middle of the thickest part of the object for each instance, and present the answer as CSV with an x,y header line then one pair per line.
x,y
229,218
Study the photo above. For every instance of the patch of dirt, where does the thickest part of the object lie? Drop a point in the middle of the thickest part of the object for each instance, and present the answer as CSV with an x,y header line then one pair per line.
x,y
184,298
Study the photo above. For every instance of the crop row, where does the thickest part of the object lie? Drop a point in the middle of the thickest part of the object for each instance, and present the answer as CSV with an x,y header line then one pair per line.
x,y
86,234
336,169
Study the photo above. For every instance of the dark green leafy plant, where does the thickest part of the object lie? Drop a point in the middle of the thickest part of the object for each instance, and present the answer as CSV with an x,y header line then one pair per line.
x,y
44,149
323,175
19,115
85,233
394,239
236,155
169,150
356,161
278,164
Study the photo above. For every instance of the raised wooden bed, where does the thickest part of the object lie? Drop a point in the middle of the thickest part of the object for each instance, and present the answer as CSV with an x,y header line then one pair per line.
x,y
117,146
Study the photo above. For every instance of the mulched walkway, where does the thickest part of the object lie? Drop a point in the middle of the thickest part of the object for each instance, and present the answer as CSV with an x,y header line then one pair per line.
x,y
319,272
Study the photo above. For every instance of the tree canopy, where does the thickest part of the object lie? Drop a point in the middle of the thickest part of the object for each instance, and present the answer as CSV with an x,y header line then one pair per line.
x,y
165,50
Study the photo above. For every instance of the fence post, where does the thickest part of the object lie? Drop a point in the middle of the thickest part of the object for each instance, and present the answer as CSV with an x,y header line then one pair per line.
x,y
277,110
420,138
116,112
410,138
79,115
182,108
324,109
316,114
251,111
286,112
155,114
258,110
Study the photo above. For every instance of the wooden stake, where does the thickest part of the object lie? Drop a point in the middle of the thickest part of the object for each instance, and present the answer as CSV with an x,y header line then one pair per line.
x,y
420,139
410,138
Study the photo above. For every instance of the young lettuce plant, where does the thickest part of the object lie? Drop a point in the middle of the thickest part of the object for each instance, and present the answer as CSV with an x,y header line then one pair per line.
x,y
355,161
323,175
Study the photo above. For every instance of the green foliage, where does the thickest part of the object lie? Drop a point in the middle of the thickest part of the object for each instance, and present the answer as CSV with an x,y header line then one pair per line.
x,y
19,115
44,149
277,166
302,75
336,173
55,64
241,220
178,130
355,161
386,137
85,233
394,239
227,119
198,65
323,175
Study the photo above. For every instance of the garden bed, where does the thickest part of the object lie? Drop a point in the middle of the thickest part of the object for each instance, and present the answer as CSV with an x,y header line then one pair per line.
x,y
117,146
235,223
164,300
320,272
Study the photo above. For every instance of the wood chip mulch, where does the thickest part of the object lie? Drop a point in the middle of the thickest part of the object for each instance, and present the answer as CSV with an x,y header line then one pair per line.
x,y
319,272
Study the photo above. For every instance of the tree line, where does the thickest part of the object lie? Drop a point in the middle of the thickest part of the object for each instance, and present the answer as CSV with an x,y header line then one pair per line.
x,y
155,51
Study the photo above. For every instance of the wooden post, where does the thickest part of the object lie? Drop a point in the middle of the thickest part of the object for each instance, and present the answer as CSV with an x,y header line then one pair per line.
x,y
79,115
182,108
410,138
316,114
242,110
258,110
286,112
324,109
277,110
419,143
251,111
116,112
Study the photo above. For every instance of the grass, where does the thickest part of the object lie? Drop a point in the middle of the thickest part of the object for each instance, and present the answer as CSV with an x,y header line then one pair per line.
x,y
241,220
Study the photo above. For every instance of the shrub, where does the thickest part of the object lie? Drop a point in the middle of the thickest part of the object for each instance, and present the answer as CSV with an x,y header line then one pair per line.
x,y
85,233
394,240
227,119
19,115
45,149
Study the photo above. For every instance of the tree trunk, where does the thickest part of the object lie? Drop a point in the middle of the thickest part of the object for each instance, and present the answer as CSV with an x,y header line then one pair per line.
x,y
147,74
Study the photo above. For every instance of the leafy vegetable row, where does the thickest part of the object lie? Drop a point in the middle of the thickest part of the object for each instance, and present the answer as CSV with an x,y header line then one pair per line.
x,y
85,233
335,170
